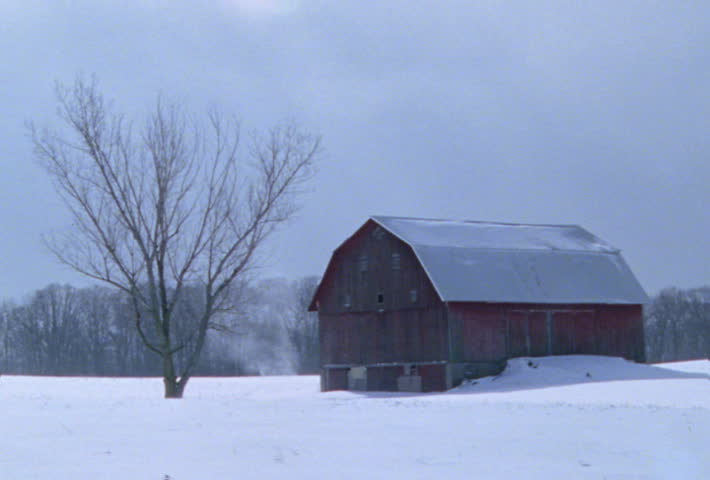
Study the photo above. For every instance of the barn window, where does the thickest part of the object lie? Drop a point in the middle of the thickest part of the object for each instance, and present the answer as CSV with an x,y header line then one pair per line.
x,y
378,233
396,261
380,298
363,263
347,303
413,295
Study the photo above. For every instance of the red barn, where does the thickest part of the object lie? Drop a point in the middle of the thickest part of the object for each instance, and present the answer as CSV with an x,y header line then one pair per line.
x,y
409,304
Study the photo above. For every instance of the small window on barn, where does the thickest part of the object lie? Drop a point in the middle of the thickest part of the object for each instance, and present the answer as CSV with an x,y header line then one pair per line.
x,y
347,302
363,263
413,295
396,261
378,233
380,298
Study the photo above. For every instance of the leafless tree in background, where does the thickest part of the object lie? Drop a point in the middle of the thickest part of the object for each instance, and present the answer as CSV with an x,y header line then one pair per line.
x,y
5,313
302,325
166,206
47,330
678,324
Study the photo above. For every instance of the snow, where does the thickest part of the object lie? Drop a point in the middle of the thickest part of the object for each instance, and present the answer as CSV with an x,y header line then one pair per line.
x,y
542,418
493,235
496,262
594,380
469,275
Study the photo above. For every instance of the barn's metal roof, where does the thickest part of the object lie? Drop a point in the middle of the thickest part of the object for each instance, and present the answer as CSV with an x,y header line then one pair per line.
x,y
502,262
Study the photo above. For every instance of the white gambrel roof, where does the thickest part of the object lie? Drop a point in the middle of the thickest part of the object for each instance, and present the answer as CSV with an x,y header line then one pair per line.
x,y
502,262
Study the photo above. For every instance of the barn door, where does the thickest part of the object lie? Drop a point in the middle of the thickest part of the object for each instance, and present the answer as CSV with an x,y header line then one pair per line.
x,y
527,334
573,333
518,335
537,327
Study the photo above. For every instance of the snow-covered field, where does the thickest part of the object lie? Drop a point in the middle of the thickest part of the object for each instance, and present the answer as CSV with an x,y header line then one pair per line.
x,y
551,418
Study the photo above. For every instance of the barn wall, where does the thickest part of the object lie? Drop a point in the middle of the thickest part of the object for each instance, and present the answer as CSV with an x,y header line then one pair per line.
x,y
478,332
374,263
620,331
482,338
489,333
369,338
377,308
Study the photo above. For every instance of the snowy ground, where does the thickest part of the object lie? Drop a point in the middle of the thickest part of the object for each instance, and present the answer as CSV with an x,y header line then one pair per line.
x,y
550,418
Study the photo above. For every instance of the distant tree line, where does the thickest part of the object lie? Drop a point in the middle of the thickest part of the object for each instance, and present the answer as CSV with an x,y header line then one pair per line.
x,y
678,325
63,330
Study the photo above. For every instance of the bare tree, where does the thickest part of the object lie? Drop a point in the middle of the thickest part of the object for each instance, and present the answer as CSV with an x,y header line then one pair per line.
x,y
678,324
49,332
96,322
5,313
168,205
302,325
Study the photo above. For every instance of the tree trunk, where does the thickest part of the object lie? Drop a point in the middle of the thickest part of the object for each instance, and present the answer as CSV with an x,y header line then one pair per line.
x,y
173,387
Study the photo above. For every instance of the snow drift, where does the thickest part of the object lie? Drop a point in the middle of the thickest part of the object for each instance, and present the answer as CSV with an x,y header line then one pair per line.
x,y
541,372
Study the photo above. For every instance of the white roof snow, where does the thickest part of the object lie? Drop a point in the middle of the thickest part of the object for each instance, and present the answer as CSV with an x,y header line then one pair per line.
x,y
501,262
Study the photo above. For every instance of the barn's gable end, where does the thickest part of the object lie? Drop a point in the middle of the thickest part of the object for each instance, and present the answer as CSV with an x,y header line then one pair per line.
x,y
377,307
373,270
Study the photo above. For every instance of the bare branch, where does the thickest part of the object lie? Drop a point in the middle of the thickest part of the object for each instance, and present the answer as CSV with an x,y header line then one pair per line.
x,y
167,208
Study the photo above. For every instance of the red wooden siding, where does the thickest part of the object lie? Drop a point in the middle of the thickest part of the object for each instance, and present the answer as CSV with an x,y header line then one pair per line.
x,y
573,333
482,332
519,334
383,337
528,333
620,332
364,267
537,325
494,332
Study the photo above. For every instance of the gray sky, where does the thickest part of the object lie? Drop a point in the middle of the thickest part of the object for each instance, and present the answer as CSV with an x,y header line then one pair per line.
x,y
539,112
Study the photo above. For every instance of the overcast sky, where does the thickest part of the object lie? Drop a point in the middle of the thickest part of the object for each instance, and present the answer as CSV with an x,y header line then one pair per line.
x,y
534,112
